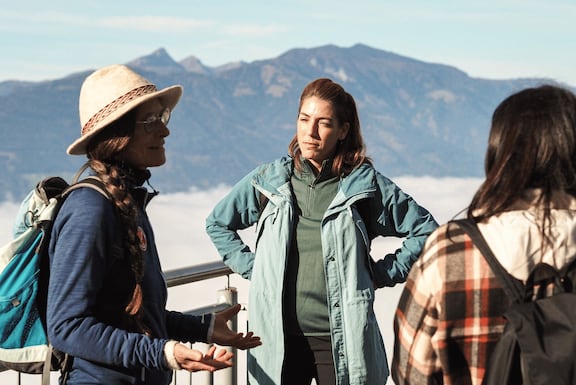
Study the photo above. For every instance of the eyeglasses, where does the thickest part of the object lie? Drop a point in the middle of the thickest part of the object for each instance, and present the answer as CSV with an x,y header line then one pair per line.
x,y
149,123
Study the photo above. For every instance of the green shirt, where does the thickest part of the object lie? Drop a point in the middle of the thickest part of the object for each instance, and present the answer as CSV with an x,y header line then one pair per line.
x,y
305,300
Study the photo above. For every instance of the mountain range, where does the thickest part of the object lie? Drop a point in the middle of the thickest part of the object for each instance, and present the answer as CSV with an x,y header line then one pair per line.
x,y
417,118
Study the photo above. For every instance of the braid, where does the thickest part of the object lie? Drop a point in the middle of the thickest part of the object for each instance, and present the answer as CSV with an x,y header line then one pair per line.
x,y
114,181
113,178
100,150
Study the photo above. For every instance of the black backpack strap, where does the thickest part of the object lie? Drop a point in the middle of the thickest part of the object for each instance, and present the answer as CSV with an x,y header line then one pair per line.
x,y
513,288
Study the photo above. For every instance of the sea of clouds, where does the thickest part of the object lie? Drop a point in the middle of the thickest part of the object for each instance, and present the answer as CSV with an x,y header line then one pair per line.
x,y
178,221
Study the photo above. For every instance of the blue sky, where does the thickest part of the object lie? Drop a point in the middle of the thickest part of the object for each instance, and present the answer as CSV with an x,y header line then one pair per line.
x,y
488,39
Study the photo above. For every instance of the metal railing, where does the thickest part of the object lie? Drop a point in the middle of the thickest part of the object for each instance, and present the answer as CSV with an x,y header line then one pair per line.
x,y
225,297
196,273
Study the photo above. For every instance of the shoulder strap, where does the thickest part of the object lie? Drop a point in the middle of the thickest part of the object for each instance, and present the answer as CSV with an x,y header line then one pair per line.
x,y
80,171
513,288
92,182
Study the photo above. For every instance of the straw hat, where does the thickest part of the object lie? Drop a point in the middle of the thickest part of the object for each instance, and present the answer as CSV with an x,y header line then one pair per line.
x,y
109,93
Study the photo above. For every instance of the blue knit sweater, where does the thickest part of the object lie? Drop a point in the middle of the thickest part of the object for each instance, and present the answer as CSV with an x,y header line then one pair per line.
x,y
90,284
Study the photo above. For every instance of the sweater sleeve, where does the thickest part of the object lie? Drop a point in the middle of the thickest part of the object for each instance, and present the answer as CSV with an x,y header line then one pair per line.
x,y
190,328
84,229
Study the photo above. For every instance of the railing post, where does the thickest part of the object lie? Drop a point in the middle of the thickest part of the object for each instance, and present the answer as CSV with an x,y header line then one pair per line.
x,y
228,376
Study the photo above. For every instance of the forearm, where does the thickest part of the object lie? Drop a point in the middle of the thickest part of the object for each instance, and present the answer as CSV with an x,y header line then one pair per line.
x,y
190,328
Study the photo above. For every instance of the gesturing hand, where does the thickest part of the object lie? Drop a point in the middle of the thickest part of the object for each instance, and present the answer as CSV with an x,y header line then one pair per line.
x,y
223,335
193,360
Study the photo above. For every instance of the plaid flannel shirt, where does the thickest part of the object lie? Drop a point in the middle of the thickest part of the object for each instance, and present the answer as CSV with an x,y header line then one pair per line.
x,y
449,314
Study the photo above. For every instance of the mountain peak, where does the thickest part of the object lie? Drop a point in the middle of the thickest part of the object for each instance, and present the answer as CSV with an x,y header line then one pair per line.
x,y
158,61
194,65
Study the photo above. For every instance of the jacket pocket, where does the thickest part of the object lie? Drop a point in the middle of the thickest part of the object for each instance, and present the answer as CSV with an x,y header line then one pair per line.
x,y
362,231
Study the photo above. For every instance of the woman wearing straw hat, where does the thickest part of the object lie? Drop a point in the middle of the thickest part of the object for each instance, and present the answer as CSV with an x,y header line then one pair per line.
x,y
107,294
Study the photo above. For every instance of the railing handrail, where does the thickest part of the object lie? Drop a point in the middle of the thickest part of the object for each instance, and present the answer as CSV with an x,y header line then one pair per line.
x,y
196,273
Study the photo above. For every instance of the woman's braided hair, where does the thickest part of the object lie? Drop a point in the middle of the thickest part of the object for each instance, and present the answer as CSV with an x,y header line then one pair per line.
x,y
102,154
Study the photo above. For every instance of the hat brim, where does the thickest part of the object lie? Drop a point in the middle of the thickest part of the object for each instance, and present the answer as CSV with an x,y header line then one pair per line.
x,y
169,96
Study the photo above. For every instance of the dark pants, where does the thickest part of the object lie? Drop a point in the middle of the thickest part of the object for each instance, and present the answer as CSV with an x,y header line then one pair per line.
x,y
308,358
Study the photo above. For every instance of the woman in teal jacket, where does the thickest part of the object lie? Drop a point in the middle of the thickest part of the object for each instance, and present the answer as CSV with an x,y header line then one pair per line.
x,y
312,275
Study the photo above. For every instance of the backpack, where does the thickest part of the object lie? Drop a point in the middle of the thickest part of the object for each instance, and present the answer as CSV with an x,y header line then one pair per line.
x,y
24,273
538,344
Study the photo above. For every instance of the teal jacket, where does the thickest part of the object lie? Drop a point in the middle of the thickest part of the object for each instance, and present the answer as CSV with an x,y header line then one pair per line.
x,y
366,205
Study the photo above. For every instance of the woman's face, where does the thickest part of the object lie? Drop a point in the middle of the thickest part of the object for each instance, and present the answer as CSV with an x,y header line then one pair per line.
x,y
318,131
146,147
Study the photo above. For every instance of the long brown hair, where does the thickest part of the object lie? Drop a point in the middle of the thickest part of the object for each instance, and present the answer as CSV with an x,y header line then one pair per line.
x,y
532,145
102,152
351,151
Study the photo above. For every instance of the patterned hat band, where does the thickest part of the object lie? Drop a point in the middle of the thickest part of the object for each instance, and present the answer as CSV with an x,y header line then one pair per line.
x,y
117,103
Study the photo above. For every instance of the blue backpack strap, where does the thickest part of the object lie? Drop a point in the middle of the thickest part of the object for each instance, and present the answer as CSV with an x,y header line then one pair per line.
x,y
513,288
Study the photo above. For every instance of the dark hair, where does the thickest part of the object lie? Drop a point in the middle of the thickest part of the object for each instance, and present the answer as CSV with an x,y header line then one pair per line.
x,y
350,152
532,145
102,152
